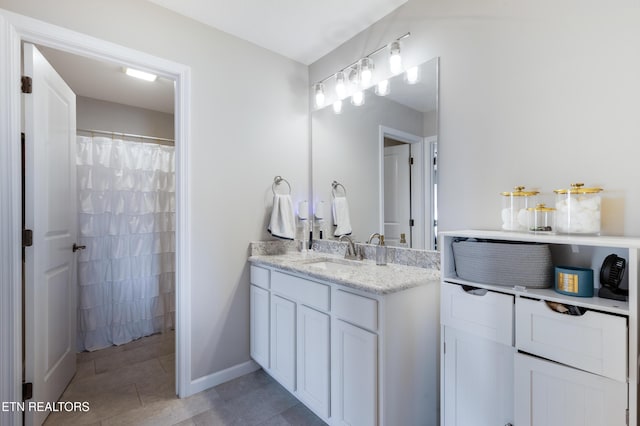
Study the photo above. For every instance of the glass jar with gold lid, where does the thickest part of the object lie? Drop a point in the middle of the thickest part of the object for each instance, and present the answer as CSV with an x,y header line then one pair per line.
x,y
578,209
514,208
542,219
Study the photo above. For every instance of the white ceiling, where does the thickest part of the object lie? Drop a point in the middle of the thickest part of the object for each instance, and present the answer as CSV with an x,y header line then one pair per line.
x,y
303,30
108,82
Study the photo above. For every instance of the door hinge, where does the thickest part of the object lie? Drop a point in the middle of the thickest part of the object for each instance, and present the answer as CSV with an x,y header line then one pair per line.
x,y
411,161
27,85
27,391
627,415
411,222
22,137
27,238
444,347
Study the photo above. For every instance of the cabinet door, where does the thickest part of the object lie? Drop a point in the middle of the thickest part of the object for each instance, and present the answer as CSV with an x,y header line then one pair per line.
x,y
477,380
259,317
550,394
283,341
354,376
313,359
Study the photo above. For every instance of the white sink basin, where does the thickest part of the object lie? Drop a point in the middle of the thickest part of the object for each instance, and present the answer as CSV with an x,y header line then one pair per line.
x,y
334,265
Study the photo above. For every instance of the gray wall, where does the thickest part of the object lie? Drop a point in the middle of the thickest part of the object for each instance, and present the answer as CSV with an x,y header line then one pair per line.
x,y
540,93
249,122
96,114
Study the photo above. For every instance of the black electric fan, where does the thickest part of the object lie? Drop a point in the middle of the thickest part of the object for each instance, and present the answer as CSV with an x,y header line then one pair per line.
x,y
611,274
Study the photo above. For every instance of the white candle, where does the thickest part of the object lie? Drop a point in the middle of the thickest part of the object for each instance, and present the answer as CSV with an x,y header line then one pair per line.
x,y
303,209
320,210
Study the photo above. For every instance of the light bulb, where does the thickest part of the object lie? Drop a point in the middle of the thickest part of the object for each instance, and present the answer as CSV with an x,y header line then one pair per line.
x,y
319,89
354,77
341,88
382,88
140,74
412,75
357,98
366,72
395,60
337,106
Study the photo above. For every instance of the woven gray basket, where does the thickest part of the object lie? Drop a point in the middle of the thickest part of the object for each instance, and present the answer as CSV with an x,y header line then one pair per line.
x,y
505,264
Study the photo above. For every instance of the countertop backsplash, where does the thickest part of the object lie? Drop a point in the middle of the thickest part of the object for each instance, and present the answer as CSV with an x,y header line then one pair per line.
x,y
428,259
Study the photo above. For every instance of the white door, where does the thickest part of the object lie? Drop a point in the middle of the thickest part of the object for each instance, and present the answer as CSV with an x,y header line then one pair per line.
x,y
313,359
50,208
397,193
478,380
354,376
283,341
259,330
551,394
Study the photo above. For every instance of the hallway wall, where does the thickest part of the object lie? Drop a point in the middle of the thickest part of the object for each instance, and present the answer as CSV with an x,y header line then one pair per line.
x,y
243,132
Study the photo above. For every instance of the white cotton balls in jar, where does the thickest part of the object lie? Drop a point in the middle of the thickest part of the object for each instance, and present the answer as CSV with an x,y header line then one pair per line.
x,y
578,210
514,208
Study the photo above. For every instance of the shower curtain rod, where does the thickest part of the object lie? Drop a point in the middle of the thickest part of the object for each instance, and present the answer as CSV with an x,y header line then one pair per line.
x,y
130,135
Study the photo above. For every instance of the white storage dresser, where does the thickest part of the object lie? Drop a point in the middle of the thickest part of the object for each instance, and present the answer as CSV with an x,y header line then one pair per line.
x,y
507,358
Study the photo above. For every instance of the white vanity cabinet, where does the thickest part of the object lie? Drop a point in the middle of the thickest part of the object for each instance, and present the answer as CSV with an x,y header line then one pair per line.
x,y
353,357
259,316
565,370
314,358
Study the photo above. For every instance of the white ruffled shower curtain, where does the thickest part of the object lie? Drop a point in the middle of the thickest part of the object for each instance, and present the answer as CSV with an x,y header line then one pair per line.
x,y
126,274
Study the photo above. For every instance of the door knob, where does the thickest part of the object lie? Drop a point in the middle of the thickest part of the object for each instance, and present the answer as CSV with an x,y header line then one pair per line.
x,y
77,247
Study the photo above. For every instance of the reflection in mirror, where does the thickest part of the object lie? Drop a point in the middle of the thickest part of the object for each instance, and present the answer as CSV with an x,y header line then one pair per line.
x,y
383,152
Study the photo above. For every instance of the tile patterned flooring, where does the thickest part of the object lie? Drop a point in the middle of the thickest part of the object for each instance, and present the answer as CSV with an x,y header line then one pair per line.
x,y
133,384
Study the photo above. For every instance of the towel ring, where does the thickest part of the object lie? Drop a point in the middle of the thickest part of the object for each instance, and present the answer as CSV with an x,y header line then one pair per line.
x,y
334,188
277,181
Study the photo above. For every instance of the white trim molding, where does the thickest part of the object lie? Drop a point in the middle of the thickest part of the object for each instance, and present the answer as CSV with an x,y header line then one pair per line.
x,y
15,29
214,379
10,224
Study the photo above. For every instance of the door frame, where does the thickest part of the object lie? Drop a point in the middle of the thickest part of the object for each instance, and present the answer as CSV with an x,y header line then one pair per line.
x,y
419,199
15,29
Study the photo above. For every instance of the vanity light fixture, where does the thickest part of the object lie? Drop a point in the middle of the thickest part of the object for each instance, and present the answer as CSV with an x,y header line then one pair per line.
x,y
319,94
142,75
412,75
358,76
337,106
395,60
382,88
366,72
358,98
341,88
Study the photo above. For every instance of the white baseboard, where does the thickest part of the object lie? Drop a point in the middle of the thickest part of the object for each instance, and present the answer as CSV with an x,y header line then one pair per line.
x,y
214,379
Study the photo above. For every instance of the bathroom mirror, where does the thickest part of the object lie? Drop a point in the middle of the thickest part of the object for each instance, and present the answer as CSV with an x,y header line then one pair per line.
x,y
368,149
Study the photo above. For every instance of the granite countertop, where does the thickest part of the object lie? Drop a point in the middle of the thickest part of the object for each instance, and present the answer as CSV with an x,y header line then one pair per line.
x,y
362,275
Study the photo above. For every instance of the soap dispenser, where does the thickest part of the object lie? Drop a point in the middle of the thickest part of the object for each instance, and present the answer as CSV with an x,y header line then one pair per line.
x,y
381,252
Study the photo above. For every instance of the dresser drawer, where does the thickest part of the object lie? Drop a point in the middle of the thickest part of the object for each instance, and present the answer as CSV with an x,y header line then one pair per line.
x,y
593,342
488,315
259,276
307,292
357,310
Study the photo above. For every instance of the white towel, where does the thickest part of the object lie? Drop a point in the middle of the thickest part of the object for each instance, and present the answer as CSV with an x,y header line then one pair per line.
x,y
341,220
283,222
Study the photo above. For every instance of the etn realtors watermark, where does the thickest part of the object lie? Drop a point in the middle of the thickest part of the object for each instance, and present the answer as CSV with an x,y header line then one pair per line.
x,y
53,407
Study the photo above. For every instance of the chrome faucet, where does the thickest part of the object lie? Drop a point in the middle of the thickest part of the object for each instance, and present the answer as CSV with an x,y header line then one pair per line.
x,y
352,252
374,235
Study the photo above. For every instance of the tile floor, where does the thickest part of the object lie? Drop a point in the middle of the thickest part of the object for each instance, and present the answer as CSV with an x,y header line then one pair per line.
x,y
133,384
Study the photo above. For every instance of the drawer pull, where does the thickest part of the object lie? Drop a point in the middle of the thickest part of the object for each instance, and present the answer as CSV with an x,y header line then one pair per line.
x,y
474,291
